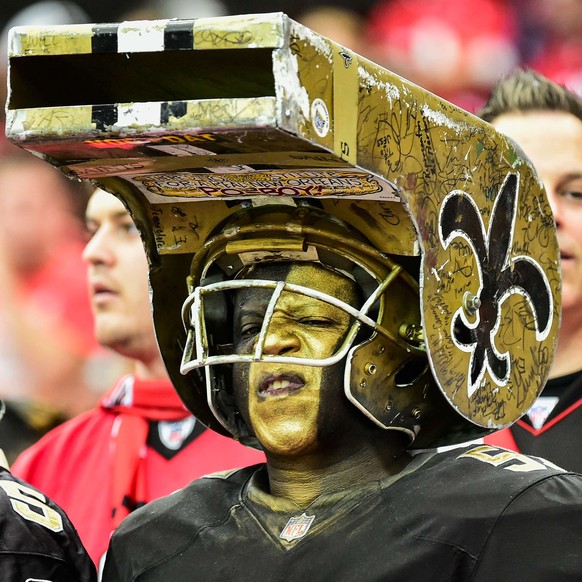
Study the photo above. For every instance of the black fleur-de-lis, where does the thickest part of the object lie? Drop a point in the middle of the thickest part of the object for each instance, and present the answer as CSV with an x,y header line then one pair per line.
x,y
500,275
347,57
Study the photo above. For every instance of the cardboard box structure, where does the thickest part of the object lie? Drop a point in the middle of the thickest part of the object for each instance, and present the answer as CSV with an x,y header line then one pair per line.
x,y
184,118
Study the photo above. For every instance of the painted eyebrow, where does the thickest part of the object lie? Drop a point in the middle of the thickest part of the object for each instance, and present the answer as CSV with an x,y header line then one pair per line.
x,y
303,311
250,313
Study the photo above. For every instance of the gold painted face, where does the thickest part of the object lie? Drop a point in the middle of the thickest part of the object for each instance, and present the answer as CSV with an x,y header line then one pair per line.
x,y
284,403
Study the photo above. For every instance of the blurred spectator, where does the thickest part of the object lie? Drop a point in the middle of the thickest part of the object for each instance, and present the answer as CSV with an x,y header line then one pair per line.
x,y
156,9
48,12
557,53
47,348
455,48
25,423
38,540
340,24
294,8
140,442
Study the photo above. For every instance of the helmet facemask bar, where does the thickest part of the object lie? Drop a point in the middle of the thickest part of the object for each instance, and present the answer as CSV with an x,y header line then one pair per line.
x,y
193,314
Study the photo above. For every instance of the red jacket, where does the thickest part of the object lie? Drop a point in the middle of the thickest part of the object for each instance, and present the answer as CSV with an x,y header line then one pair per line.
x,y
75,463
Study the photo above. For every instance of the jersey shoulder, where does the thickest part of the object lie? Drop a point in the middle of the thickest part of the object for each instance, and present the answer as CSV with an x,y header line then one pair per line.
x,y
486,481
81,425
25,511
178,517
507,509
468,497
36,529
502,470
197,503
486,457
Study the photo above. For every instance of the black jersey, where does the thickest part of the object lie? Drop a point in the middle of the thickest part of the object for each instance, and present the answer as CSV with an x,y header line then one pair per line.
x,y
478,513
38,543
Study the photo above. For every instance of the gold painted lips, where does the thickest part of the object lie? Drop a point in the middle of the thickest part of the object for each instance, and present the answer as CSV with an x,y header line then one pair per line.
x,y
280,385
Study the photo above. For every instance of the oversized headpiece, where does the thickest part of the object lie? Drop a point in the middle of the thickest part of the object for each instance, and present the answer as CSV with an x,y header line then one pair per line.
x,y
241,140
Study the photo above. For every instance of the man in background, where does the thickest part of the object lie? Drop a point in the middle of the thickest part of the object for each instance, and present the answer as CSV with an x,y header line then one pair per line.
x,y
545,119
140,443
47,347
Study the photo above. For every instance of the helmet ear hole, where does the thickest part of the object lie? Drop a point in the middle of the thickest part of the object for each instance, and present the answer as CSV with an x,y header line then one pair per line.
x,y
410,372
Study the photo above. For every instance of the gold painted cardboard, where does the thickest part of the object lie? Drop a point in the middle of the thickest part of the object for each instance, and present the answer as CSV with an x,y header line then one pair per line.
x,y
185,119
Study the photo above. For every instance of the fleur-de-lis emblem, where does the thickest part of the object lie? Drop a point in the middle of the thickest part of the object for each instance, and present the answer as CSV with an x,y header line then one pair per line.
x,y
499,276
347,57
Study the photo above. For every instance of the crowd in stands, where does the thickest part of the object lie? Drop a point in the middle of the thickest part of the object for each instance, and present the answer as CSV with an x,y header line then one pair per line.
x,y
53,368
457,49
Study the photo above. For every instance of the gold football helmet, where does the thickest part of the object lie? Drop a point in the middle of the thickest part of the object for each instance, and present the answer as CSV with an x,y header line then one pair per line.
x,y
387,375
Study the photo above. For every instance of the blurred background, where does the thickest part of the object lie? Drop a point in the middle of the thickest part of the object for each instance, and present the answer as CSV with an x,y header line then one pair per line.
x,y
455,48
49,367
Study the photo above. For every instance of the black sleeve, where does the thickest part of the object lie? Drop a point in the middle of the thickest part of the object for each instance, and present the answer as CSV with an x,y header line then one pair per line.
x,y
539,536
110,571
15,567
38,541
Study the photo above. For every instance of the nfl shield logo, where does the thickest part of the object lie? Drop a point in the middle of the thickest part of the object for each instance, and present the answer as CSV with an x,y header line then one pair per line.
x,y
297,527
541,409
174,433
